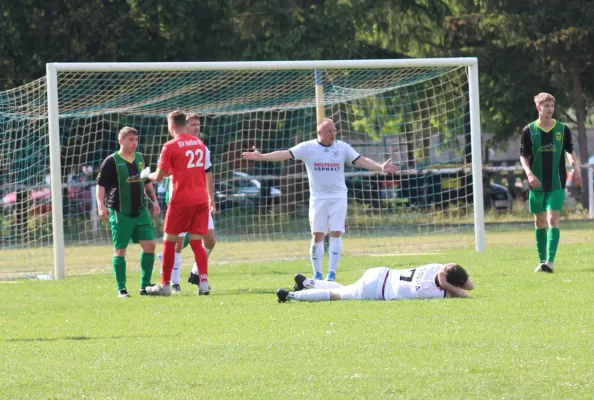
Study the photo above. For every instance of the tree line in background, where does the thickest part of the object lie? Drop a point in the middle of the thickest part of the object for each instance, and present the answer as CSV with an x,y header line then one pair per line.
x,y
524,47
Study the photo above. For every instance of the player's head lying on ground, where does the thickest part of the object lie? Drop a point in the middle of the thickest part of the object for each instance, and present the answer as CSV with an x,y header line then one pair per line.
x,y
455,274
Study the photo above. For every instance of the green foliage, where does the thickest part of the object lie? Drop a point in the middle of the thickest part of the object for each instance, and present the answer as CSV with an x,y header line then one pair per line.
x,y
525,48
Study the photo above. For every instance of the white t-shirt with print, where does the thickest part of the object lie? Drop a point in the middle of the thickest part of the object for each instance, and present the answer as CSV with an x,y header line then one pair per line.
x,y
325,167
415,283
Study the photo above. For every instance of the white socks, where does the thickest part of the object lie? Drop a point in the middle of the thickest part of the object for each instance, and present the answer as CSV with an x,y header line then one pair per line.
x,y
175,274
195,266
324,285
311,295
334,251
317,254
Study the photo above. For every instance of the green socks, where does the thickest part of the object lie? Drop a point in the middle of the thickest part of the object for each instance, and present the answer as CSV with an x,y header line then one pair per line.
x,y
119,270
147,260
553,243
547,243
541,243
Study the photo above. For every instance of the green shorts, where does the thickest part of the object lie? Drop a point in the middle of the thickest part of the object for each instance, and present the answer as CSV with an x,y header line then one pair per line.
x,y
125,228
539,201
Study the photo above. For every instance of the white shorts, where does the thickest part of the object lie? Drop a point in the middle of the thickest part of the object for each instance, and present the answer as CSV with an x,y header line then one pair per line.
x,y
368,287
210,226
327,215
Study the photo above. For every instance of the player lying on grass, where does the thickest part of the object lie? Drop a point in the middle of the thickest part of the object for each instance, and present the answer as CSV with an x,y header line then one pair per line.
x,y
381,283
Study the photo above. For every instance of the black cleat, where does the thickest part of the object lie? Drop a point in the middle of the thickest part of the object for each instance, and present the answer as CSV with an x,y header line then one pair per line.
x,y
544,268
123,293
194,279
175,289
299,279
143,290
282,295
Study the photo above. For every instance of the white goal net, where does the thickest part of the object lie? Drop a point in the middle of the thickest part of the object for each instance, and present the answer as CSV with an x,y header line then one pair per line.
x,y
418,114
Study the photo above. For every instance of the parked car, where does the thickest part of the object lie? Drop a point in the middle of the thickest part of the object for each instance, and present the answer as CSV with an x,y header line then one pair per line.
x,y
424,190
243,190
501,198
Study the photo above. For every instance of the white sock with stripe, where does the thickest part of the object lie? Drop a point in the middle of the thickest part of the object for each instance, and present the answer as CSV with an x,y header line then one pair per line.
x,y
311,295
176,273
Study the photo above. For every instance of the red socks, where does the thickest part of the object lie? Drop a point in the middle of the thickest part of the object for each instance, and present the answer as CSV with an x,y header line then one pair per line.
x,y
201,259
168,261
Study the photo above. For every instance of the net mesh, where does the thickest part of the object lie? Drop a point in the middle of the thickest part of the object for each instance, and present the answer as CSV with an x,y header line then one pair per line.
x,y
418,117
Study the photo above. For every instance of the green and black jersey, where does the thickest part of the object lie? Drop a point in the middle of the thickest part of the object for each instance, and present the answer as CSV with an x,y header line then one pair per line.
x,y
123,187
546,150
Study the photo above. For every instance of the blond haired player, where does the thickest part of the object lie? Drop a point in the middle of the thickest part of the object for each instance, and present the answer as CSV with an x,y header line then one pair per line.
x,y
542,154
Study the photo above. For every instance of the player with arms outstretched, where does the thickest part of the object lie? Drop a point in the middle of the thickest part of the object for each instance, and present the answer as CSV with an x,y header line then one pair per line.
x,y
184,158
432,281
542,154
209,241
324,160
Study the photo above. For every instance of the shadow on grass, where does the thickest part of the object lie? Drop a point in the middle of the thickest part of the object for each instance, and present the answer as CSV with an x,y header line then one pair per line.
x,y
246,291
82,338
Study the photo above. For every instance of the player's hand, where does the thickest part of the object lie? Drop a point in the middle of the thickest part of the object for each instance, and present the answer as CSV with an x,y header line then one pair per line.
x,y
144,174
212,207
389,167
103,213
252,155
533,181
577,178
156,209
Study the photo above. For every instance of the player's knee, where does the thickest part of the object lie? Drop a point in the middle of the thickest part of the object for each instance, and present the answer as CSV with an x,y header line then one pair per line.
x,y
209,243
318,237
553,221
334,295
149,247
540,220
119,252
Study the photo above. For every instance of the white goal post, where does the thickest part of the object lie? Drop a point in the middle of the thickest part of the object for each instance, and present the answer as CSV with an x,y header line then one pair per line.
x,y
53,110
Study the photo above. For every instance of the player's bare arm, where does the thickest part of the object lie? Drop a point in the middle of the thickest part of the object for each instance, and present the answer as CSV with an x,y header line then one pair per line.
x,y
532,179
102,209
255,155
149,190
452,291
371,165
211,192
577,174
468,285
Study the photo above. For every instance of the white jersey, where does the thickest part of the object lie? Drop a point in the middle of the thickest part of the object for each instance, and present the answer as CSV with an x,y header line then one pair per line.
x,y
415,283
325,167
207,166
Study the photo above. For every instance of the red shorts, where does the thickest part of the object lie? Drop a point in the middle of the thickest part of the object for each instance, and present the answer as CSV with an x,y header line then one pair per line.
x,y
190,219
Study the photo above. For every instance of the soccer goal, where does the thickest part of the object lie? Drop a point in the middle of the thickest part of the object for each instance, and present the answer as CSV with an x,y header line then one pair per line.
x,y
421,113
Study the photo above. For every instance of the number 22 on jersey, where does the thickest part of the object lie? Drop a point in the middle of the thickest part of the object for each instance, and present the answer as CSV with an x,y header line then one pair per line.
x,y
197,155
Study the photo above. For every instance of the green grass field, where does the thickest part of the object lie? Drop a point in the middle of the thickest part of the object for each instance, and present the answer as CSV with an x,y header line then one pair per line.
x,y
521,335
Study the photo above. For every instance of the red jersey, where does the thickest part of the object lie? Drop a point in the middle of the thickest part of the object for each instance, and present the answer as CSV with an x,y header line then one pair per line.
x,y
184,157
